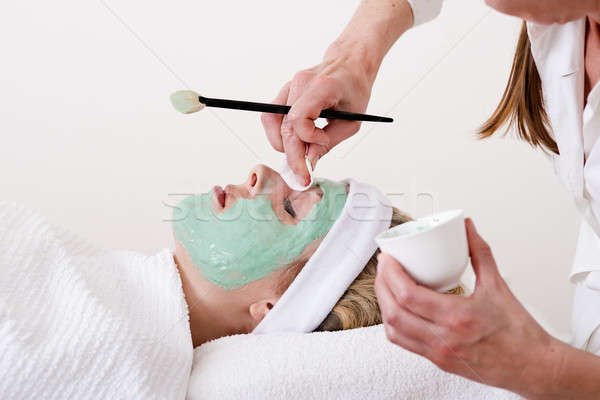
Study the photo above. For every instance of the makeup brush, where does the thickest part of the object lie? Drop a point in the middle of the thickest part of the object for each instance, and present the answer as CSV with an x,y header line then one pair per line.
x,y
188,101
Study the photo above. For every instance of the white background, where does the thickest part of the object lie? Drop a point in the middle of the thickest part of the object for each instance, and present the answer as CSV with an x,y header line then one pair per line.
x,y
90,139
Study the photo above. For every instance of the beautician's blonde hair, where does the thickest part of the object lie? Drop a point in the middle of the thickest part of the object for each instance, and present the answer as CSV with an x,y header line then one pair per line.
x,y
522,104
358,306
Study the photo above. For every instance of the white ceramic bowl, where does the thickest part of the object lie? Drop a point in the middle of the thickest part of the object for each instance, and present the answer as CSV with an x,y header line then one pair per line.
x,y
433,249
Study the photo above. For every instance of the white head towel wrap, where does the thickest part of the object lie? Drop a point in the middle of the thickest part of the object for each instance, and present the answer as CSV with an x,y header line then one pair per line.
x,y
338,260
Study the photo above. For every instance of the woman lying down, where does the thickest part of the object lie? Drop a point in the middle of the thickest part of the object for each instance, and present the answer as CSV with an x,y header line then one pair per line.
x,y
78,322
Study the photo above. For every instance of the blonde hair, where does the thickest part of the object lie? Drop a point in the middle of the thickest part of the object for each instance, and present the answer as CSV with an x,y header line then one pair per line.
x,y
358,307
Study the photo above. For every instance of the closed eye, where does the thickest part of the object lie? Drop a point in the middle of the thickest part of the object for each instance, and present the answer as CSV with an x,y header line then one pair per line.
x,y
287,205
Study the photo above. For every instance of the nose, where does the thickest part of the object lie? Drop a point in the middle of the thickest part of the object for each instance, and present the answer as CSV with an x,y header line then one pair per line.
x,y
259,179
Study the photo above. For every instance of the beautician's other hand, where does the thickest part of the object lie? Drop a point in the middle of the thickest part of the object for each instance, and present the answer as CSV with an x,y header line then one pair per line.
x,y
339,82
342,81
487,337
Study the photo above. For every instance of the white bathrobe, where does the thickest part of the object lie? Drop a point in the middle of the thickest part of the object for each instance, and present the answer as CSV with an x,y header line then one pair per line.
x,y
80,323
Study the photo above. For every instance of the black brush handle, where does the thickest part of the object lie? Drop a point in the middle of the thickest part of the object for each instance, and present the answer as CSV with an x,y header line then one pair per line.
x,y
281,109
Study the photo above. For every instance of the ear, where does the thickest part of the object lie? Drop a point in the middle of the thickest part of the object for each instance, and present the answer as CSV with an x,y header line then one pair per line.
x,y
259,309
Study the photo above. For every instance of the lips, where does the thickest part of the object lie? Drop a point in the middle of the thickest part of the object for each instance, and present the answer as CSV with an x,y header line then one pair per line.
x,y
220,195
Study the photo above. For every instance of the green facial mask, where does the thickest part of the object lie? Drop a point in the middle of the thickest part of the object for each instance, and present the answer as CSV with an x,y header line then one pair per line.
x,y
248,241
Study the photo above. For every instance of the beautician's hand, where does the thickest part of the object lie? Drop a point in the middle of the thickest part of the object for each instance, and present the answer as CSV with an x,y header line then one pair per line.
x,y
342,81
339,82
487,337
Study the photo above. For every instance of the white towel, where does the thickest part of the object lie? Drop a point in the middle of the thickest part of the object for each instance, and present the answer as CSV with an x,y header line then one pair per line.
x,y
80,323
354,364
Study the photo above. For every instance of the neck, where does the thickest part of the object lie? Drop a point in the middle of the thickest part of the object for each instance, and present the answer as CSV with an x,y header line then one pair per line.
x,y
592,54
205,322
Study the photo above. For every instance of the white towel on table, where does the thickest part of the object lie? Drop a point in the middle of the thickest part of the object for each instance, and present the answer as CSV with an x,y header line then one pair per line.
x,y
80,323
354,364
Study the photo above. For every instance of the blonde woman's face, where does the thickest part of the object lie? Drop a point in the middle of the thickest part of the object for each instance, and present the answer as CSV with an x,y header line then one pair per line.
x,y
242,233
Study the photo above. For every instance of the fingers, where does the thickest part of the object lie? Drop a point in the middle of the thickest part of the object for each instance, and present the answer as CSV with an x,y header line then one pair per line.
x,y
309,95
315,152
422,301
272,122
306,130
337,130
295,133
482,259
398,337
295,148
402,327
321,93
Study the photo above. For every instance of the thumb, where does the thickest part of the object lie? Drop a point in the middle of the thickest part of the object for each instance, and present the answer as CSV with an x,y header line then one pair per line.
x,y
315,152
337,130
482,259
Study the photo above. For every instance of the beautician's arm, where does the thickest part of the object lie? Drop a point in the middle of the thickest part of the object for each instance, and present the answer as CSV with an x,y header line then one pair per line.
x,y
487,337
342,80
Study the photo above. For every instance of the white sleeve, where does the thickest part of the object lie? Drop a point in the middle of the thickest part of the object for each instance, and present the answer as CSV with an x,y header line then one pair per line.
x,y
593,344
425,10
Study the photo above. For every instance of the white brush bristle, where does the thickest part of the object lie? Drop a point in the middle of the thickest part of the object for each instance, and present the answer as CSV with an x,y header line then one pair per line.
x,y
186,101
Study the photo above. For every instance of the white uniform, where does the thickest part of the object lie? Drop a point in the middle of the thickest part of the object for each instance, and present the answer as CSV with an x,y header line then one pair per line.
x,y
558,51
